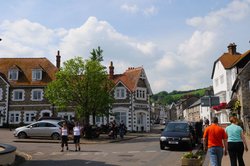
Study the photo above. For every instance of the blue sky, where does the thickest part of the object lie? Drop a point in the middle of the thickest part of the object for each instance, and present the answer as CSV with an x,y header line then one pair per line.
x,y
176,41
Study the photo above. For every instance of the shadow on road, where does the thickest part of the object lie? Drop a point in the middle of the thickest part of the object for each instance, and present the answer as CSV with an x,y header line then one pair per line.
x,y
64,163
141,139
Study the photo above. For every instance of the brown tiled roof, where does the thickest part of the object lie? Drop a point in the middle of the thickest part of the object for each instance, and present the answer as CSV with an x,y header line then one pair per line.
x,y
25,66
129,78
229,61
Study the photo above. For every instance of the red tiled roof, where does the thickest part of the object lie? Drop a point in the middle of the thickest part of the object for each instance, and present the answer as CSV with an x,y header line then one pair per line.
x,y
25,66
129,78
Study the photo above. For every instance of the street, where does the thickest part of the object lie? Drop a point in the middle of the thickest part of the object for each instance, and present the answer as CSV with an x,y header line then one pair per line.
x,y
137,151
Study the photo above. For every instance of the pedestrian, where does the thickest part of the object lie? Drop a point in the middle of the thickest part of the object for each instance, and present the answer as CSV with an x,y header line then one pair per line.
x,y
236,142
216,137
122,129
77,135
64,136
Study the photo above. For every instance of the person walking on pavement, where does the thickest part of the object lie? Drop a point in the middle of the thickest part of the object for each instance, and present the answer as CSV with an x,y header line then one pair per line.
x,y
215,137
236,142
122,129
64,137
77,135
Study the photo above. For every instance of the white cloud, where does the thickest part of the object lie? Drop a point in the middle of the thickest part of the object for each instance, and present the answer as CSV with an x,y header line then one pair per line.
x,y
234,11
195,50
150,11
130,8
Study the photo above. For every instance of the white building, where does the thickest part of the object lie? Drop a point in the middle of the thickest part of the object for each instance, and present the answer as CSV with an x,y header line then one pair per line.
x,y
224,74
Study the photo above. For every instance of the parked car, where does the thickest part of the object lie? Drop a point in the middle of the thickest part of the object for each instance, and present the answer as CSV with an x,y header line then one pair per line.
x,y
44,128
70,124
177,133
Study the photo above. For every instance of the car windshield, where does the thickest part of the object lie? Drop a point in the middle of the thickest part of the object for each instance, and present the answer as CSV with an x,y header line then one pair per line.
x,y
176,127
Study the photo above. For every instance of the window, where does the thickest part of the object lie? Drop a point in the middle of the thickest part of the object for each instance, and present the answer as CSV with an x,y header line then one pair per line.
x,y
120,116
1,94
14,117
13,74
37,94
120,93
36,74
18,95
141,93
29,117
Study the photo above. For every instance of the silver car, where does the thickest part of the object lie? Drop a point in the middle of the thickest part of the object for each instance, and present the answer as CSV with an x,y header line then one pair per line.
x,y
43,128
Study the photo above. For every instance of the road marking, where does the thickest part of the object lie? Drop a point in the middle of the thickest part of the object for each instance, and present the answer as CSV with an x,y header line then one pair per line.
x,y
150,151
71,154
55,153
116,152
101,153
38,154
83,154
133,151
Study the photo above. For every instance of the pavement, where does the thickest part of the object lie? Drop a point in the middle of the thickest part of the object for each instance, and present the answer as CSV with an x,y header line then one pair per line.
x,y
226,159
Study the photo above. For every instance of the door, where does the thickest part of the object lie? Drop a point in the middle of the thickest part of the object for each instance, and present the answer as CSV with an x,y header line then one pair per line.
x,y
141,121
1,116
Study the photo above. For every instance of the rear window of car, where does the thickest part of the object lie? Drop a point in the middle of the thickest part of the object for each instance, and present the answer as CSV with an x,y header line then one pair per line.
x,y
177,127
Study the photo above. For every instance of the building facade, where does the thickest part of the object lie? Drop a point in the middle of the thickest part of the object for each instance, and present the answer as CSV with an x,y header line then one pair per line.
x,y
224,74
132,92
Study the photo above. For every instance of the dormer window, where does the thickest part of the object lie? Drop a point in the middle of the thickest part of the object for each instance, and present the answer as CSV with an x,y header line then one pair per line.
x,y
13,74
120,93
36,74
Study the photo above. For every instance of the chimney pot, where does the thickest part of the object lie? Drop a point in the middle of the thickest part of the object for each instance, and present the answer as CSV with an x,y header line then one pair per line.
x,y
58,59
232,48
111,70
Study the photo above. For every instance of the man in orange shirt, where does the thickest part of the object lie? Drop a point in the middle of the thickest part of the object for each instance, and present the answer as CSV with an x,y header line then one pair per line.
x,y
215,136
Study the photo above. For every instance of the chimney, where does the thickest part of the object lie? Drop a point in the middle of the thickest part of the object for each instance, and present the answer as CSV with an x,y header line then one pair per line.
x,y
111,70
232,48
58,59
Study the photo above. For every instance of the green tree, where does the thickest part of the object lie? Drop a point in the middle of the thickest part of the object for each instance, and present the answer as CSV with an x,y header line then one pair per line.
x,y
97,54
83,85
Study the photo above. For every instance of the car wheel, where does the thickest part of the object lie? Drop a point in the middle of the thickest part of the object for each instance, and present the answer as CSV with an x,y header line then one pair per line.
x,y
22,135
55,136
162,146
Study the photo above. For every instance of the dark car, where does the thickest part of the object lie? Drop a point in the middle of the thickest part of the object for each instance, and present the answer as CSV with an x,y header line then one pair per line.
x,y
177,133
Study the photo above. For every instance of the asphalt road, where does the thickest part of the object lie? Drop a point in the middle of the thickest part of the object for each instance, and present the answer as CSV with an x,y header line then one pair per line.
x,y
135,152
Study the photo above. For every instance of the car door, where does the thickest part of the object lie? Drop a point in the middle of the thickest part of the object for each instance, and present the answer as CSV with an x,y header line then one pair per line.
x,y
32,130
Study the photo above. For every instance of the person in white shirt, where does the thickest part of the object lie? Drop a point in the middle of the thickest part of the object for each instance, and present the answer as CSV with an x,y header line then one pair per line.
x,y
77,135
64,136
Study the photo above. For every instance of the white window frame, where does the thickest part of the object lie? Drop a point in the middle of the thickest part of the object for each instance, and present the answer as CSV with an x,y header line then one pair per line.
x,y
16,91
14,117
120,93
141,94
12,73
37,74
1,94
33,91
122,116
29,116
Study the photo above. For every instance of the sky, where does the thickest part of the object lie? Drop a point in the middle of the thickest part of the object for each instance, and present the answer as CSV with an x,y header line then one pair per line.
x,y
175,41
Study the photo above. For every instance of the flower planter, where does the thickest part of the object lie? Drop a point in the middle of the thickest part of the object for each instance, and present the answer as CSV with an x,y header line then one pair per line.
x,y
191,161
